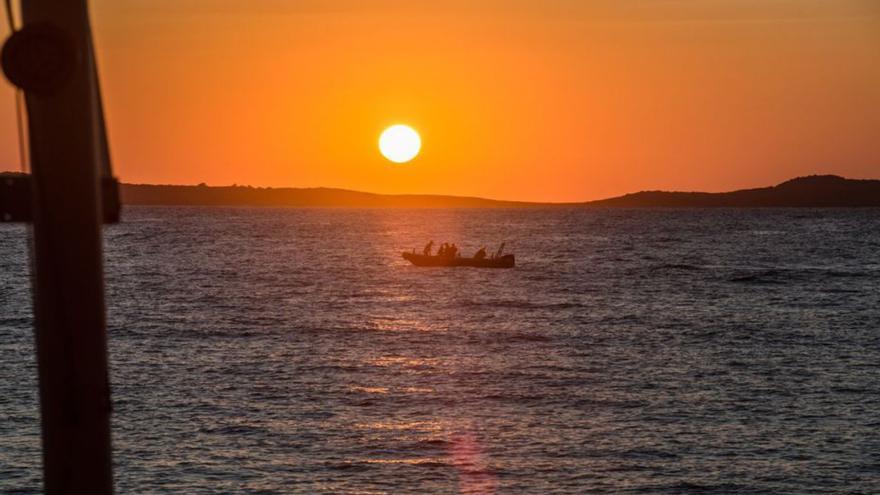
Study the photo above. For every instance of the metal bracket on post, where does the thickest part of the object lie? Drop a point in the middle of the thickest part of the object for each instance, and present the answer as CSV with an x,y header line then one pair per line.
x,y
16,201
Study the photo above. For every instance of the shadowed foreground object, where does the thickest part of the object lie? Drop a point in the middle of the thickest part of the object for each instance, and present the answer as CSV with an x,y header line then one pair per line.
x,y
52,61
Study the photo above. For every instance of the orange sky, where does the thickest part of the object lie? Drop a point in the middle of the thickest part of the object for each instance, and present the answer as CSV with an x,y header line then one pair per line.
x,y
554,100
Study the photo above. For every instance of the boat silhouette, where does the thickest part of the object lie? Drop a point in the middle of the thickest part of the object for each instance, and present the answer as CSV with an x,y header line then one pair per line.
x,y
506,261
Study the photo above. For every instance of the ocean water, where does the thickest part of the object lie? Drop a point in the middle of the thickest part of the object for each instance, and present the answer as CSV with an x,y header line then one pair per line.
x,y
630,351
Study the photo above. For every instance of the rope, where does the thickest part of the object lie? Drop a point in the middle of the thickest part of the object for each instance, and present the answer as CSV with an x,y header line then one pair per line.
x,y
19,101
9,16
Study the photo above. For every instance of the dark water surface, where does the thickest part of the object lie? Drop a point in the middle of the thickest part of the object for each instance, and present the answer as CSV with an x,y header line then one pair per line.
x,y
630,351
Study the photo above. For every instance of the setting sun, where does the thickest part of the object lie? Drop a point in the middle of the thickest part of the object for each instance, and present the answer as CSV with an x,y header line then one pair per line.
x,y
400,143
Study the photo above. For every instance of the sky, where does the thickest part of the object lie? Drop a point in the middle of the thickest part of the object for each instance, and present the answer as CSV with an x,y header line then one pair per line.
x,y
546,100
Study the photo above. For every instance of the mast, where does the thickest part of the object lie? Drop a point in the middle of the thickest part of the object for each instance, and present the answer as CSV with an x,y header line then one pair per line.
x,y
68,159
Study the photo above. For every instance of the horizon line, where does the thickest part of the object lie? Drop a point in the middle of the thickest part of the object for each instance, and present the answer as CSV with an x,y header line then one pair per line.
x,y
472,197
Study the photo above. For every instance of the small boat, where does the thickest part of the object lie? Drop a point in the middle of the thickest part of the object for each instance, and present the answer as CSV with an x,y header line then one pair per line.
x,y
506,261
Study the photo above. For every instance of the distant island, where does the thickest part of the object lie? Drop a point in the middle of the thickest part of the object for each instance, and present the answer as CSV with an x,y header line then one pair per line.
x,y
812,191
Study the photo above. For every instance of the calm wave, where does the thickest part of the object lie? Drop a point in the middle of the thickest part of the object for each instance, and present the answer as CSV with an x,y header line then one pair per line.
x,y
630,351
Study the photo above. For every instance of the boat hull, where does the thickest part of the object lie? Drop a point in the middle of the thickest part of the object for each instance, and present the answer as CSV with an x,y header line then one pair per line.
x,y
506,261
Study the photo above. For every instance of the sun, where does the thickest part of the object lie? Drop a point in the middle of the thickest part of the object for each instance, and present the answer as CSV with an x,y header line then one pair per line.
x,y
400,143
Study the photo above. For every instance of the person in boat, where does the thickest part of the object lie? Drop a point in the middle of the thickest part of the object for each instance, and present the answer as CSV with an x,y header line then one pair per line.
x,y
480,254
427,251
453,250
500,250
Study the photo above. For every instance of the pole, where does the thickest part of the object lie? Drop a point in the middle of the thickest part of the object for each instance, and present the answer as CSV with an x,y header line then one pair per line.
x,y
68,274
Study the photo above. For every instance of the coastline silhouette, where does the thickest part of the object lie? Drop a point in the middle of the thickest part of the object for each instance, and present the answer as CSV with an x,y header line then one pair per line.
x,y
816,191
812,191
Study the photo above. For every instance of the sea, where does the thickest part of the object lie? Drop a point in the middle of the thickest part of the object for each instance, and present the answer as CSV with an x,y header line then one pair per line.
x,y
630,351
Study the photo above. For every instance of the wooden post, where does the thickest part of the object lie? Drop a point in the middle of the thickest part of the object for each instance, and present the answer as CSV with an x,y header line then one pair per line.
x,y
65,141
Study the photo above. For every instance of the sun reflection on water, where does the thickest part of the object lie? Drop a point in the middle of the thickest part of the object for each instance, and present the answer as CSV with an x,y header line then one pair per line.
x,y
396,324
369,390
403,361
475,475
451,445
425,381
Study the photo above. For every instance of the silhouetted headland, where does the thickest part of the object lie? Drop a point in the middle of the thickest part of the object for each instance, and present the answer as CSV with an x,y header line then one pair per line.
x,y
813,191
201,195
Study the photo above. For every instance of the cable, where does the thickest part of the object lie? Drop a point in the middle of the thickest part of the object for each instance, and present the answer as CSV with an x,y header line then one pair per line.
x,y
19,101
9,16
19,120
22,150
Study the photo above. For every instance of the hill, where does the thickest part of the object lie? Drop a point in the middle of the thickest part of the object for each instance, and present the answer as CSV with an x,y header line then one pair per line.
x,y
143,194
812,191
